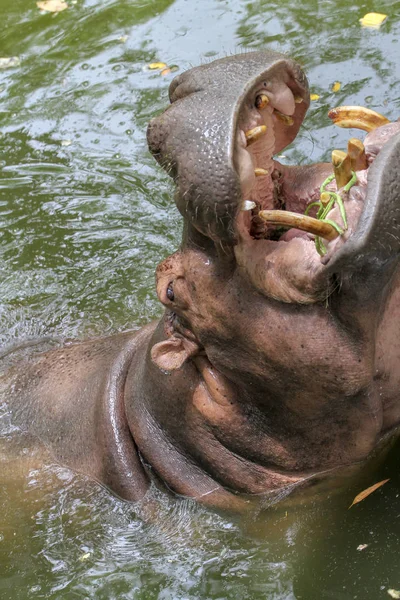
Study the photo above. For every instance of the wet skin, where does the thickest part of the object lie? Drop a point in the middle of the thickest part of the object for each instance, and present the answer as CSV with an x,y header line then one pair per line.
x,y
272,366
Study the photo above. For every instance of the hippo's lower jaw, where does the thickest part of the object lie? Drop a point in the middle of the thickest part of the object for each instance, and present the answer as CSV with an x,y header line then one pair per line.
x,y
283,262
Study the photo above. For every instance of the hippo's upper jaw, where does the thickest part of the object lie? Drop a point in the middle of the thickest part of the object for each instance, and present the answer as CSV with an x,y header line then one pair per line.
x,y
218,138
197,138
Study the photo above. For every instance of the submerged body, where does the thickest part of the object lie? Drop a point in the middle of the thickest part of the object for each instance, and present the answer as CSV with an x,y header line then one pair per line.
x,y
272,366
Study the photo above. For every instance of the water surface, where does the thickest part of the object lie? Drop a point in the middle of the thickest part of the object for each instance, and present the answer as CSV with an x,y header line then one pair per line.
x,y
85,216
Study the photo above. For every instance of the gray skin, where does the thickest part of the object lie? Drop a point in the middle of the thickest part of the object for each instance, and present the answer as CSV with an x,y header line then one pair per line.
x,y
271,367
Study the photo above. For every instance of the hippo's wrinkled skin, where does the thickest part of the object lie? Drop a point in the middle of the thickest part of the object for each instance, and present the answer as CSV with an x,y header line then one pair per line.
x,y
271,366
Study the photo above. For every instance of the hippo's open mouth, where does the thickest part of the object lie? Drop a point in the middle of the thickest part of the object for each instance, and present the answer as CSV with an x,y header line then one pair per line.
x,y
294,219
268,186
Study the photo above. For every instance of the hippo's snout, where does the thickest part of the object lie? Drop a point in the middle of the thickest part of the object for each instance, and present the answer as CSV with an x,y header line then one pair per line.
x,y
200,137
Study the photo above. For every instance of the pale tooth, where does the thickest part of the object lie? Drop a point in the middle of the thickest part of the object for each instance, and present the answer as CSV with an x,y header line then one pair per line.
x,y
281,97
247,205
253,135
258,172
285,119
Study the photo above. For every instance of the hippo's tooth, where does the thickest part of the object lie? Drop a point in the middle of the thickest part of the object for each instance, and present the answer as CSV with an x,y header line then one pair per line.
x,y
253,135
260,172
296,221
356,151
358,117
341,167
298,99
285,119
262,101
247,205
281,97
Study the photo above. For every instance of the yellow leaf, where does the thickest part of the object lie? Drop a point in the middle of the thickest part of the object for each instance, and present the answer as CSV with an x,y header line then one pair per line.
x,y
53,6
362,495
9,63
166,71
373,19
394,593
157,65
314,97
85,556
336,86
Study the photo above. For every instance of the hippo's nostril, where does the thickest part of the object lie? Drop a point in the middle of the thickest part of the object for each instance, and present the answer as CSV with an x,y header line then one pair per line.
x,y
170,292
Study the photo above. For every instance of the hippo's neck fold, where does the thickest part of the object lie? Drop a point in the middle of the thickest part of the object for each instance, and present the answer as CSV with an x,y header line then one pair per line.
x,y
204,435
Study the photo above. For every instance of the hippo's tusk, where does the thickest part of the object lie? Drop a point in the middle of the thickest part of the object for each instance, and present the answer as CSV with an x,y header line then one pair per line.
x,y
356,151
298,99
260,172
295,220
253,135
285,119
358,117
262,101
341,167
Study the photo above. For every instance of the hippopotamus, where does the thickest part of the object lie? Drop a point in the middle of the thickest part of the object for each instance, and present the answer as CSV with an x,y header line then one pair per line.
x,y
277,360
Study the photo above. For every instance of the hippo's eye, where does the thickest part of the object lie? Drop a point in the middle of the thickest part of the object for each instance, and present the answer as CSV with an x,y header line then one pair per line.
x,y
261,101
170,292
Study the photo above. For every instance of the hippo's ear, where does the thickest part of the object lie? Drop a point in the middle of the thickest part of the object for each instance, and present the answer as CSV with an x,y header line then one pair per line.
x,y
173,352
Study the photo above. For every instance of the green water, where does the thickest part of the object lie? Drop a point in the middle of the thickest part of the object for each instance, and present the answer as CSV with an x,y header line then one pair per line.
x,y
85,216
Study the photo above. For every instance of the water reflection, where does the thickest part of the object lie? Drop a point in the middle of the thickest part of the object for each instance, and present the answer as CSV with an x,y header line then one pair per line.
x,y
85,215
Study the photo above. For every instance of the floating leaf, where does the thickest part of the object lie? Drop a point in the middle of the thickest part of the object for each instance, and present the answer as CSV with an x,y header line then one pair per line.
x,y
157,66
9,63
123,38
174,68
166,71
394,593
373,20
85,556
336,86
314,97
53,6
66,142
362,547
362,495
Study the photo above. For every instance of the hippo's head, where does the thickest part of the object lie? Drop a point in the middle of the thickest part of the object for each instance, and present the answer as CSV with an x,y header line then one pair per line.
x,y
226,121
295,341
292,344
